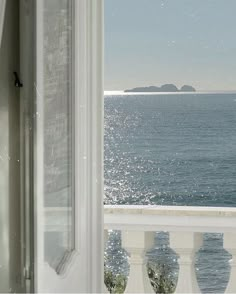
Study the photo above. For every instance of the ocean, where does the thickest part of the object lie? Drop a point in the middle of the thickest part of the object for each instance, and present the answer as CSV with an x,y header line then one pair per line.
x,y
173,149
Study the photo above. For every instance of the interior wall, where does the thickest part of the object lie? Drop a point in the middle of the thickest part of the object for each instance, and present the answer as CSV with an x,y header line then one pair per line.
x,y
10,237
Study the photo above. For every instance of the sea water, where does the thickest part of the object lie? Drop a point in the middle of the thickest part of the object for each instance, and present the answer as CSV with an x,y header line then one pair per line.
x,y
173,149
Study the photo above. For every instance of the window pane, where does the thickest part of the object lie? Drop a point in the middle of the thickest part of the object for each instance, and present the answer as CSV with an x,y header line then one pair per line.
x,y
58,130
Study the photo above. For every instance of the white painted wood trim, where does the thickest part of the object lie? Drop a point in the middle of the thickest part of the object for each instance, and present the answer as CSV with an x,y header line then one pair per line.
x,y
84,272
2,16
89,141
38,152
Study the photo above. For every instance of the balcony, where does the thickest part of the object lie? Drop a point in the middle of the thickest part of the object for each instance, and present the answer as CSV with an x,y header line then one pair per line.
x,y
187,228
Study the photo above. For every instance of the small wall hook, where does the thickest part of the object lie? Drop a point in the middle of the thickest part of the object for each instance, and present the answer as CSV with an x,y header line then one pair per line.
x,y
18,83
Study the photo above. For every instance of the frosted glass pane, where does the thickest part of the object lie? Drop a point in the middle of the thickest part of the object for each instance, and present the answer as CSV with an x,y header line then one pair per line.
x,y
58,130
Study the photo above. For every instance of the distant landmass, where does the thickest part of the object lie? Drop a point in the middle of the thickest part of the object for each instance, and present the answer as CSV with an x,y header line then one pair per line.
x,y
163,88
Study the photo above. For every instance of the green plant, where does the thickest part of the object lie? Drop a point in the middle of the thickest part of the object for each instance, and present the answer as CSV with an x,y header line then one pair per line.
x,y
161,280
114,283
159,275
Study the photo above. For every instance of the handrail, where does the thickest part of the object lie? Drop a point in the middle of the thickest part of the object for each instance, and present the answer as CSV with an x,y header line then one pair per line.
x,y
174,218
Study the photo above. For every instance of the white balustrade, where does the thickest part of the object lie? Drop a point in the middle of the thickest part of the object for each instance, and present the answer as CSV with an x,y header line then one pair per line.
x,y
186,226
186,244
230,246
136,244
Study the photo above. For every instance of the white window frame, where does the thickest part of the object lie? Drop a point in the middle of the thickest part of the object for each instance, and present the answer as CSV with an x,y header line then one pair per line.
x,y
89,158
89,222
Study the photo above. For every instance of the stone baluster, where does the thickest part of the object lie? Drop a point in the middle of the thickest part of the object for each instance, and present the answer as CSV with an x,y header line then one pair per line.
x,y
136,244
230,246
186,244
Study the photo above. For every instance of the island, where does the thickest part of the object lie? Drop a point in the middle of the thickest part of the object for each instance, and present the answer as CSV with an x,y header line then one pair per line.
x,y
187,88
163,88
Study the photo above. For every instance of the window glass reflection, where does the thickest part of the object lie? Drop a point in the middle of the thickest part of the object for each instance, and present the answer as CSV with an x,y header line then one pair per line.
x,y
58,130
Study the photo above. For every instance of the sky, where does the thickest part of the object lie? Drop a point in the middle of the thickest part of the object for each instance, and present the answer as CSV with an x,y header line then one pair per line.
x,y
154,42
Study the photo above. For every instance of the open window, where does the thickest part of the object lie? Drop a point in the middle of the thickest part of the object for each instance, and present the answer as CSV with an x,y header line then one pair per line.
x,y
51,146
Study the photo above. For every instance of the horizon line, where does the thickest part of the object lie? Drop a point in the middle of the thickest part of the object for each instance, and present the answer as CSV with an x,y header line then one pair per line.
x,y
122,92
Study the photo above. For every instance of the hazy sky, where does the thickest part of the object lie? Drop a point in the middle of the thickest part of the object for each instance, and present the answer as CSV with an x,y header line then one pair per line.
x,y
152,42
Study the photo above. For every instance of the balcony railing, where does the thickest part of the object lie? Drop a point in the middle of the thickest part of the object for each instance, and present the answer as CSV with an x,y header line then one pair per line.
x,y
186,227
